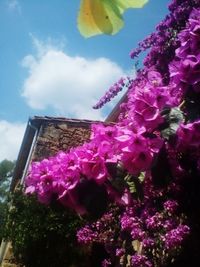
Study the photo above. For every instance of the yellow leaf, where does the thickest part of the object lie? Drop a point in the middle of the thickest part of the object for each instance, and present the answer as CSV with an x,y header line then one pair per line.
x,y
104,16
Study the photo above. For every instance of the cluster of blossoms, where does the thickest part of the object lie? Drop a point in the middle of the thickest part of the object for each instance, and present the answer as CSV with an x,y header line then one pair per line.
x,y
185,68
175,237
131,179
147,100
188,137
62,176
113,91
137,238
163,41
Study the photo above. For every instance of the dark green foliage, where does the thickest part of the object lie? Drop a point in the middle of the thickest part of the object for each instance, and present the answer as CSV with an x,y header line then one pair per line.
x,y
3,208
6,169
42,235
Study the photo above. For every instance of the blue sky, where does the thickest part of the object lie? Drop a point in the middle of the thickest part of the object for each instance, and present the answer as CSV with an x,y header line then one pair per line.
x,y
48,68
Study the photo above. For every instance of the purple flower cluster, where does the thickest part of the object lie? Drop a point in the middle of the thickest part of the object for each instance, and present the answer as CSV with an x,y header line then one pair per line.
x,y
86,236
149,231
147,100
133,225
189,137
154,222
150,228
59,176
171,206
163,41
175,237
185,68
137,151
144,45
113,91
140,261
100,231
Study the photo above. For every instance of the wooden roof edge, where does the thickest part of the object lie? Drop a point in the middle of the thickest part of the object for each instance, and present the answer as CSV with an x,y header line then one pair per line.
x,y
24,151
39,119
114,114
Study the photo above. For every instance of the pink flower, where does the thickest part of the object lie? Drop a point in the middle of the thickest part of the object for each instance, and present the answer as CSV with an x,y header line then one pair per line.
x,y
189,135
136,162
94,169
154,77
186,70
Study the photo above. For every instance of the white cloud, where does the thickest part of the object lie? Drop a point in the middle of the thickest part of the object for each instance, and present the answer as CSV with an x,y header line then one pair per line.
x,y
14,5
11,138
70,85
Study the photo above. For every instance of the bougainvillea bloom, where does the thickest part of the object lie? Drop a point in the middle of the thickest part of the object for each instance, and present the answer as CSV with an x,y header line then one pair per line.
x,y
141,173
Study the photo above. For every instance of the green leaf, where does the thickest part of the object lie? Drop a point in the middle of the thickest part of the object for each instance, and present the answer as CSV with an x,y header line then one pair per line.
x,y
176,115
135,185
141,177
173,117
131,183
